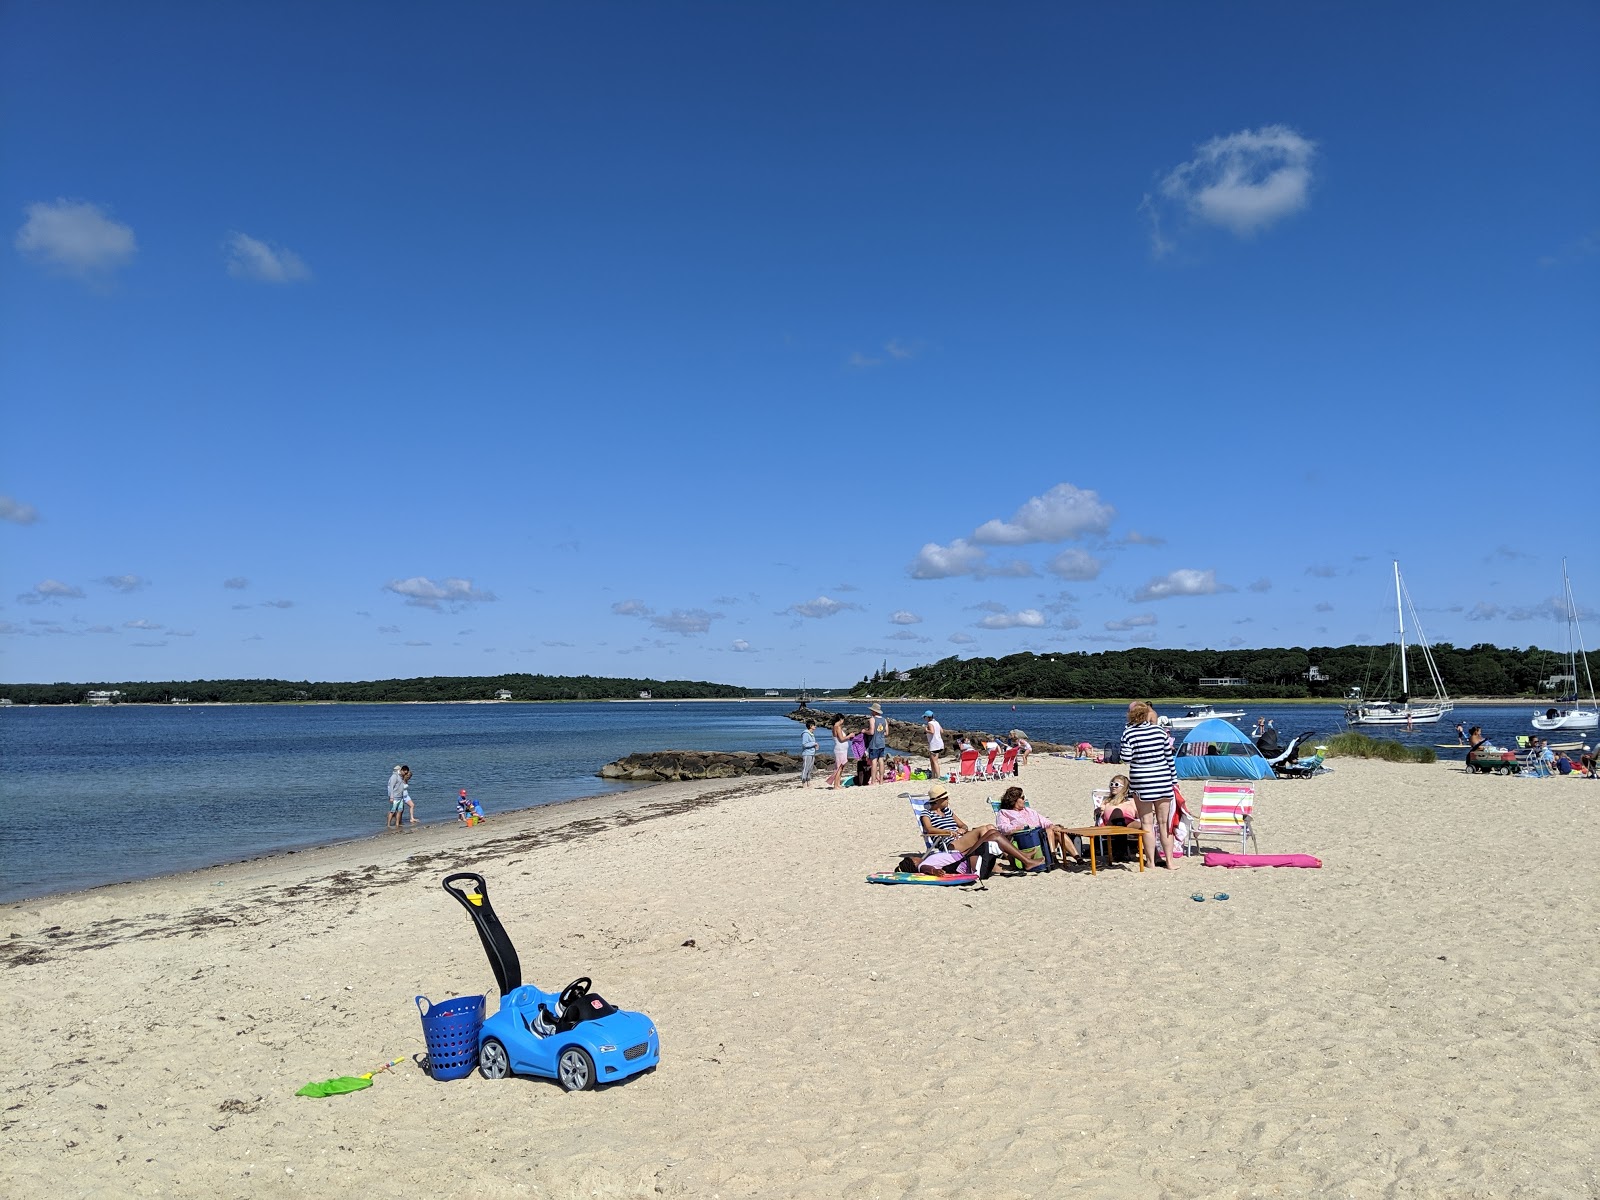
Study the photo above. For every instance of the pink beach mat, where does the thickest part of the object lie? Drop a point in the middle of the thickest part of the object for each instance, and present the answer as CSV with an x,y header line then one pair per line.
x,y
1217,859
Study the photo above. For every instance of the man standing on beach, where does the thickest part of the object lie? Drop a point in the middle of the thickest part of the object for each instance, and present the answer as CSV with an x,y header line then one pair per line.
x,y
935,742
399,796
877,741
808,752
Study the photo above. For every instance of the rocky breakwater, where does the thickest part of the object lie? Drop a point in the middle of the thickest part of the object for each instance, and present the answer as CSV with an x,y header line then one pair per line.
x,y
910,737
672,766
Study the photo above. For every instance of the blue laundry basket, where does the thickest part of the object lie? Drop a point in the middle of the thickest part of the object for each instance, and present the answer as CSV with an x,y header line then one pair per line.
x,y
451,1030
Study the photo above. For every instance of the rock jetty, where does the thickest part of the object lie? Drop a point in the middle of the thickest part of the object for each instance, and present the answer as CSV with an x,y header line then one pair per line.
x,y
672,766
910,737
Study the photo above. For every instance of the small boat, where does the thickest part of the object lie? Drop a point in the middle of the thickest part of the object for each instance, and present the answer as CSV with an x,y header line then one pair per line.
x,y
1402,710
1193,714
1570,713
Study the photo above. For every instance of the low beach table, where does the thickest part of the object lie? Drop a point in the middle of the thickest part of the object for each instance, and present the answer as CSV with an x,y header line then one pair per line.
x,y
1090,832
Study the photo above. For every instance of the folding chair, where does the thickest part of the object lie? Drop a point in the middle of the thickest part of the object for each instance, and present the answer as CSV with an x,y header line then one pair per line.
x,y
987,771
1227,810
1009,763
968,771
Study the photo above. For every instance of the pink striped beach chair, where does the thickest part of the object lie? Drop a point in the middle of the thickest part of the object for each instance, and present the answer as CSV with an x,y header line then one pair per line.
x,y
1227,810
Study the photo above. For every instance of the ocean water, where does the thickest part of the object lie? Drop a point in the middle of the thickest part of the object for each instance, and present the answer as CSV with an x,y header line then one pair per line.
x,y
98,795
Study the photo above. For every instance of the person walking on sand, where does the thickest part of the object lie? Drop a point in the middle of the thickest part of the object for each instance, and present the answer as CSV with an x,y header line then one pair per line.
x,y
808,752
877,740
1147,751
935,742
841,751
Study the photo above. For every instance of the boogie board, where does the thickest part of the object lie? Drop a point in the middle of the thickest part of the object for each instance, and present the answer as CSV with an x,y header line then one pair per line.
x,y
923,880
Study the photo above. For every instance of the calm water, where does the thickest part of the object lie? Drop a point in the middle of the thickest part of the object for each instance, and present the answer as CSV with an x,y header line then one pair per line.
x,y
97,795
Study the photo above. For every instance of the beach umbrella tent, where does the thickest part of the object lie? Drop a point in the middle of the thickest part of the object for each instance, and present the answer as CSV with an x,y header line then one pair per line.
x,y
1218,749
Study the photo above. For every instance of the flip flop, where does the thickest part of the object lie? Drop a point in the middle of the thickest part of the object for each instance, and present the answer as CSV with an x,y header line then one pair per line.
x,y
1220,896
1198,898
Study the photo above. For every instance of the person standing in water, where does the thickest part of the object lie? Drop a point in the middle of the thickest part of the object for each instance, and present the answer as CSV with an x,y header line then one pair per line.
x,y
399,796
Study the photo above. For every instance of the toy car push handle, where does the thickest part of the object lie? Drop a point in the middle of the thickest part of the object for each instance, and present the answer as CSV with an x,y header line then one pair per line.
x,y
496,942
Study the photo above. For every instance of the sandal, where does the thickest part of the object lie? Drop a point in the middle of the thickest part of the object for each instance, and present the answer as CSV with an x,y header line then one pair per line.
x,y
1198,898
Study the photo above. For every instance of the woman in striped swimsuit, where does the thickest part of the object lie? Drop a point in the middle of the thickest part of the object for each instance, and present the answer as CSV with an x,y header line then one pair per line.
x,y
1147,751
947,832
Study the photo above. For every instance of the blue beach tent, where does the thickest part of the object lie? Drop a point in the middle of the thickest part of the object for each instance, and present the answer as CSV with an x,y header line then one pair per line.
x,y
1218,749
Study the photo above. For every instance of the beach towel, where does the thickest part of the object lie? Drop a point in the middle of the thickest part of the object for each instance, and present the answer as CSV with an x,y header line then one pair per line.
x,y
1217,859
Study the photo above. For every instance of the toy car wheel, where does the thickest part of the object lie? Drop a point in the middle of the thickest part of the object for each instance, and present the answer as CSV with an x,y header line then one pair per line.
x,y
575,1070
493,1061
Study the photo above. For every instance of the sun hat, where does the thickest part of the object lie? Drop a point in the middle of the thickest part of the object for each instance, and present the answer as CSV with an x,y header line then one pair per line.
x,y
938,790
929,713
877,708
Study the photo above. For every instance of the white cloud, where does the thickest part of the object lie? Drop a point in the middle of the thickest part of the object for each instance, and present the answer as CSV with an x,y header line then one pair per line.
x,y
1061,514
902,617
1244,181
51,589
124,583
1182,582
237,583
1074,564
388,629
250,258
16,512
77,238
1027,618
905,635
962,639
741,646
141,623
422,592
822,606
961,557
1137,621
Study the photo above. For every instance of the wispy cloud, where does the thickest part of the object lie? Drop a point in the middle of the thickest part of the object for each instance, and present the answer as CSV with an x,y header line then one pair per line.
x,y
388,629
237,583
1322,572
1576,251
1242,182
1074,564
962,639
1137,621
903,617
76,238
1553,608
1182,582
16,512
124,583
418,643
740,646
1261,585
905,635
1323,606
861,361
1134,538
892,351
49,590
822,606
682,621
277,604
448,595
141,623
251,258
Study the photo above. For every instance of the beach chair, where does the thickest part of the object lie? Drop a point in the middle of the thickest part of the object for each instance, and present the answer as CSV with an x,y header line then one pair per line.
x,y
968,770
919,806
987,771
1227,810
1008,764
1530,766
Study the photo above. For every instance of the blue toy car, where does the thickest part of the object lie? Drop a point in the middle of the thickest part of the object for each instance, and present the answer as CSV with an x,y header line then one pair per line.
x,y
573,1036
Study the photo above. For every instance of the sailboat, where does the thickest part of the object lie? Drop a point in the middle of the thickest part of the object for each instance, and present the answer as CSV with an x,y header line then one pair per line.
x,y
1402,710
1576,716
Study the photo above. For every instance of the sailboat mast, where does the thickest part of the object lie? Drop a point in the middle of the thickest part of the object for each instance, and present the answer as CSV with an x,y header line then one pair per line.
x,y
1575,630
1400,620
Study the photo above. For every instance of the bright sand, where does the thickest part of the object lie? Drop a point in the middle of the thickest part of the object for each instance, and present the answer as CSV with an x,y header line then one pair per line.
x,y
1417,1018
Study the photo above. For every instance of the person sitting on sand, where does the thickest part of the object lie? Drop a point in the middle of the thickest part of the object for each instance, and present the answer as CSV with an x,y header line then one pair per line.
x,y
946,831
1014,814
1085,750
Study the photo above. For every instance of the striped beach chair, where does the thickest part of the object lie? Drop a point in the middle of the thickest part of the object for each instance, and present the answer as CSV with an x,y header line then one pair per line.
x,y
1227,810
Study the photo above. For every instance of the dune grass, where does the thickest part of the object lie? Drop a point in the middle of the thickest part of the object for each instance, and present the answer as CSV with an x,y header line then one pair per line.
x,y
1359,745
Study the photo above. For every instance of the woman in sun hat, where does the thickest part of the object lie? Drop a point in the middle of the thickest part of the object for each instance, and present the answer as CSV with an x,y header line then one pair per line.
x,y
877,740
935,742
947,832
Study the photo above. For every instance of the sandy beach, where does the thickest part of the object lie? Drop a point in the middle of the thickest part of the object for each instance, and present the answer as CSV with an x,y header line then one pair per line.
x,y
1415,1019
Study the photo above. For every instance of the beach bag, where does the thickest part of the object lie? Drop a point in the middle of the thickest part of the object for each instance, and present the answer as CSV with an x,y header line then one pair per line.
x,y
1111,754
1034,848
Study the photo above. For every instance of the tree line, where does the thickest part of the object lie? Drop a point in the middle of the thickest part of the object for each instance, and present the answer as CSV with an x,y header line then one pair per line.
x,y
424,688
1480,670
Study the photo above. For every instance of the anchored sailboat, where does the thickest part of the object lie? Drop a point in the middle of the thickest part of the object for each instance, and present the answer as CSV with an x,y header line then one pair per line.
x,y
1574,716
1403,710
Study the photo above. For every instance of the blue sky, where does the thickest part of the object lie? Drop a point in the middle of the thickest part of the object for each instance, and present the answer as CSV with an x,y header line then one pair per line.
x,y
759,342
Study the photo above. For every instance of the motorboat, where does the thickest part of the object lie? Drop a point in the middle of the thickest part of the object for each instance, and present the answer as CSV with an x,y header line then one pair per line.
x,y
1570,713
1193,714
1402,710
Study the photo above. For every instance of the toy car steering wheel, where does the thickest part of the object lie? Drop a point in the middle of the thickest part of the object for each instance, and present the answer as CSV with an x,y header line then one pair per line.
x,y
573,994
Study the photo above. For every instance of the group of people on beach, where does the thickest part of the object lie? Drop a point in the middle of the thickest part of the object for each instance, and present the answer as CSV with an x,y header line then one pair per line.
x,y
468,811
1143,797
869,747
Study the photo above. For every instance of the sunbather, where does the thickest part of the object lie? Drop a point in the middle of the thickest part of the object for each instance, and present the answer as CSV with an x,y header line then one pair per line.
x,y
946,831
1014,814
